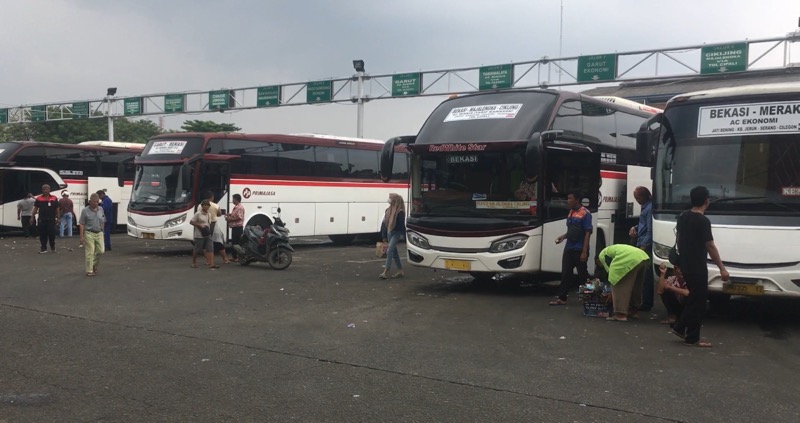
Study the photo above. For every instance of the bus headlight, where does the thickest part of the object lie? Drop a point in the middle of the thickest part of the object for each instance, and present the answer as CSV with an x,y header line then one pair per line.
x,y
661,250
130,221
418,240
175,222
508,244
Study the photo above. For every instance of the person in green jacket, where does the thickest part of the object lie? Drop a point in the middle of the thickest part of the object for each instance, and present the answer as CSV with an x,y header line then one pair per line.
x,y
625,265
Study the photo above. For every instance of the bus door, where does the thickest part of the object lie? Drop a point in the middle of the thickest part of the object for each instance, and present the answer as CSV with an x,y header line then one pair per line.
x,y
568,168
215,176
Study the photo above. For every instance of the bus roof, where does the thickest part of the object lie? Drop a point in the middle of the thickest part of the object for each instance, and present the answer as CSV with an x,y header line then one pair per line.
x,y
115,144
301,138
630,103
742,91
335,137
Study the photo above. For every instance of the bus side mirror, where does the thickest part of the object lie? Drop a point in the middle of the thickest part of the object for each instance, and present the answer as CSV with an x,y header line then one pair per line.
x,y
387,154
533,156
646,139
121,174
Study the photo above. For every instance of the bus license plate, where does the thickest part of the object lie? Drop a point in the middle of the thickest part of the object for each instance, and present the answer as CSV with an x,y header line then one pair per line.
x,y
742,289
148,235
457,264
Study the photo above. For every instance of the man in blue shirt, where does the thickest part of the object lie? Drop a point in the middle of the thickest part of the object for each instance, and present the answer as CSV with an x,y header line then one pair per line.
x,y
108,210
576,251
643,233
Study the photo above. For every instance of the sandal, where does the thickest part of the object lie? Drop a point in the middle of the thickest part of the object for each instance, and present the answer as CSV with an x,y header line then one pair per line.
x,y
678,334
616,319
383,276
194,266
557,302
214,267
667,322
699,344
398,275
90,273
235,260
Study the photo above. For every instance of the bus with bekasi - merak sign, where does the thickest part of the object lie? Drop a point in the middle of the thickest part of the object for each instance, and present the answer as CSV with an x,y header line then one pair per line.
x,y
475,153
743,144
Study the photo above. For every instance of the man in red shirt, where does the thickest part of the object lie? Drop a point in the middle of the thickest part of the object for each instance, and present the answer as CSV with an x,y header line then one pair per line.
x,y
46,205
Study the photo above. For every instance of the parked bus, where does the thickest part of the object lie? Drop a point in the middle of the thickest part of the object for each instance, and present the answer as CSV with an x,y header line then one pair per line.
x,y
324,185
15,184
85,168
743,144
473,154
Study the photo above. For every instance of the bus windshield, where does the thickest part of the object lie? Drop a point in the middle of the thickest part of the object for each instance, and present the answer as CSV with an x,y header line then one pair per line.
x,y
485,184
744,173
159,185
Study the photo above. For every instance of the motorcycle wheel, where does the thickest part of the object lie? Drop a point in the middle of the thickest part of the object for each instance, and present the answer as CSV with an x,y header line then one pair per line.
x,y
279,258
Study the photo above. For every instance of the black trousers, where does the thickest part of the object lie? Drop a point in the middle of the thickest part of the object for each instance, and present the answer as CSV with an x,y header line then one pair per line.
x,y
47,232
671,303
236,237
691,319
571,260
27,228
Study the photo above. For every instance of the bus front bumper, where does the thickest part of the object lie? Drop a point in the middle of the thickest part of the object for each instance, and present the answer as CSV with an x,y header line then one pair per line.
x,y
506,262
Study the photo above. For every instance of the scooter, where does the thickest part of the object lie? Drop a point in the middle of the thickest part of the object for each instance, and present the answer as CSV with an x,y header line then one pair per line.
x,y
269,245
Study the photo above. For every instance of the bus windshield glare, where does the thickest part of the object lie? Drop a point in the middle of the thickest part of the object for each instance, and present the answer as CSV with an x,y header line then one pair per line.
x,y
159,184
744,174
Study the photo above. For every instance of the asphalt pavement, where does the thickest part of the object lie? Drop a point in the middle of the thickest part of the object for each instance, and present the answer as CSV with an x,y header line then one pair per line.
x,y
150,339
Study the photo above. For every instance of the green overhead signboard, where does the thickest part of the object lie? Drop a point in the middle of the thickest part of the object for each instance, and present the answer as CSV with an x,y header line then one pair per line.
x,y
132,106
174,103
496,77
3,116
80,110
723,58
218,99
404,84
319,91
600,67
38,113
268,96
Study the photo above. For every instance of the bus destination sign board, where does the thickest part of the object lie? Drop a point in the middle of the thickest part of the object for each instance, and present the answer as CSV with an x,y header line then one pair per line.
x,y
496,77
406,84
38,113
600,67
723,58
3,116
218,99
749,119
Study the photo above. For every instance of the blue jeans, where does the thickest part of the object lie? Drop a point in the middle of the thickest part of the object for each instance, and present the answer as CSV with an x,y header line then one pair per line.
x,y
65,222
391,252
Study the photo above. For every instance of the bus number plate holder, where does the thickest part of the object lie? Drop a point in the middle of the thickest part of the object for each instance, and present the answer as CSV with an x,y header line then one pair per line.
x,y
457,265
148,235
743,289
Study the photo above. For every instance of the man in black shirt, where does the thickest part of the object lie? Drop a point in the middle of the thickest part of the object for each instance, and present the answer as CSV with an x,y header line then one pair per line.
x,y
46,205
695,243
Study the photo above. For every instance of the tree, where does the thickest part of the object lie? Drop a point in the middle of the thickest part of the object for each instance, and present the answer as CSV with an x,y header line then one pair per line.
x,y
134,131
73,131
208,126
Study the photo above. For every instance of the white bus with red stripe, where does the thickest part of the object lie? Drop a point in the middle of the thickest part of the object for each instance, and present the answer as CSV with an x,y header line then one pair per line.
x,y
324,185
83,168
472,155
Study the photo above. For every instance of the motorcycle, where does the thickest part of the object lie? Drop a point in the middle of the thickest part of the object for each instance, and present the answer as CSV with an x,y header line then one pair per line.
x,y
269,245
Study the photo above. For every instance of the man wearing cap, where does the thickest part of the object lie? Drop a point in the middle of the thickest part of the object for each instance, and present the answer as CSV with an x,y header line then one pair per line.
x,y
67,214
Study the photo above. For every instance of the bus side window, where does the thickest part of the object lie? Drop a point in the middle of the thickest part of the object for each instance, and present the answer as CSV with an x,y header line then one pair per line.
x,y
363,164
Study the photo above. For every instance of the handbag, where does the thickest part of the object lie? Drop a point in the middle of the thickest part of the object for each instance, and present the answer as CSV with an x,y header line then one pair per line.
x,y
380,249
205,231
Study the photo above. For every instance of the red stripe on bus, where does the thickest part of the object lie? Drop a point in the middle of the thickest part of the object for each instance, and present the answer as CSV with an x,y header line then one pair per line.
x,y
75,181
317,184
610,174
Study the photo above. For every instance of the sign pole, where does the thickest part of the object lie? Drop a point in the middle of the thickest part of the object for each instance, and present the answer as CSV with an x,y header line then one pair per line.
x,y
110,119
360,117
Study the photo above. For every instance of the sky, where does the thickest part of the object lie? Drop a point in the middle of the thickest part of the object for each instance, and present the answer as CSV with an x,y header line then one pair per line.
x,y
63,50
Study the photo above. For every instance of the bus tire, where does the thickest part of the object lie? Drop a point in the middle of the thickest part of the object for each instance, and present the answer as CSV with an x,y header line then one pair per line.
x,y
343,239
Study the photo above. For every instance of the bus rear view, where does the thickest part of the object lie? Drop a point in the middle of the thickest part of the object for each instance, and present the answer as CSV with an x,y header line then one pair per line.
x,y
743,144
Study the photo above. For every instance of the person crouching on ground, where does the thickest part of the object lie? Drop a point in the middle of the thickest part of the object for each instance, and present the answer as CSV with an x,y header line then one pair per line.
x,y
673,292
91,224
393,230
625,265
